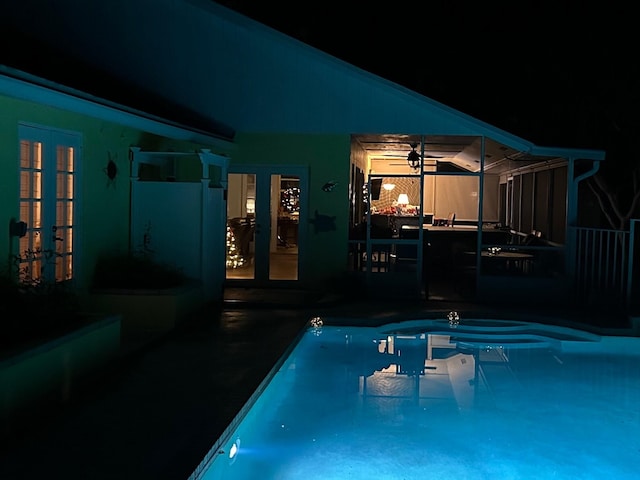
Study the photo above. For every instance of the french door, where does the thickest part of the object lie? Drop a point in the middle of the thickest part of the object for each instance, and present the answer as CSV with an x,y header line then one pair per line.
x,y
265,207
48,177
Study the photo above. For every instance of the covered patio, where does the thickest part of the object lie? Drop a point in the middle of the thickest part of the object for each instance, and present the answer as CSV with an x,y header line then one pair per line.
x,y
465,217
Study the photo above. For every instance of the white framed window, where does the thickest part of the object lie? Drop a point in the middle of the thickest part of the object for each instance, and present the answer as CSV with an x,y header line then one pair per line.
x,y
49,160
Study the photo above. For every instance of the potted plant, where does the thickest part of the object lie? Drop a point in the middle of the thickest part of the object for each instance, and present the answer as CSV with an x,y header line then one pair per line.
x,y
152,296
134,271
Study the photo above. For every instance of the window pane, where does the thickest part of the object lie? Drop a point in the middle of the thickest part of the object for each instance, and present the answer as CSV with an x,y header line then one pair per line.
x,y
24,154
37,156
69,186
36,269
70,159
23,244
60,185
69,214
25,191
69,240
69,260
36,218
37,241
60,158
37,185
60,213
25,211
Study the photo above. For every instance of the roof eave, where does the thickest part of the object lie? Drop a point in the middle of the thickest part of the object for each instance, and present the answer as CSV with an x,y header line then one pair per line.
x,y
22,85
570,153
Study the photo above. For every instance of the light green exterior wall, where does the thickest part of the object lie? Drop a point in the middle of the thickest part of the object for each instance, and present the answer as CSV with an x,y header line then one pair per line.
x,y
103,211
327,158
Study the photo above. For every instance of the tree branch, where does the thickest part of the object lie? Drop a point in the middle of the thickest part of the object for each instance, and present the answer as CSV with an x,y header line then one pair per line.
x,y
599,198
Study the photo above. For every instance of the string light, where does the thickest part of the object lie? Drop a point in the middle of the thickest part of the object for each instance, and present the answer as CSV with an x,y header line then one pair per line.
x,y
234,258
290,199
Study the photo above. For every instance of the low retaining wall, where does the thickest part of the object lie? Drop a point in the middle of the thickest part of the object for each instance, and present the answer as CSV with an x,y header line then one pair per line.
x,y
147,312
51,369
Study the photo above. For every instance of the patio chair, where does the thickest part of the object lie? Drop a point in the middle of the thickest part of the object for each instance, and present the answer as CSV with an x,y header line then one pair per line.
x,y
445,222
451,218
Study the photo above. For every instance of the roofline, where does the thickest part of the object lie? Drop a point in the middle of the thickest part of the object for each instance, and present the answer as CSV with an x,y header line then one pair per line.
x,y
18,84
570,153
490,130
493,132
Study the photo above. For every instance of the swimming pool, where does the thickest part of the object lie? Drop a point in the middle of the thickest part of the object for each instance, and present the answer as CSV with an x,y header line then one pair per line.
x,y
439,399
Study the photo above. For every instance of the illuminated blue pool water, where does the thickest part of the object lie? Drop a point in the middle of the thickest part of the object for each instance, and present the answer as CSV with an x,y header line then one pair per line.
x,y
430,399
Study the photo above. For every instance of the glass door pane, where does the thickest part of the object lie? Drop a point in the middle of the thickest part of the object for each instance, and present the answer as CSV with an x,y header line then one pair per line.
x,y
240,243
48,171
263,217
285,199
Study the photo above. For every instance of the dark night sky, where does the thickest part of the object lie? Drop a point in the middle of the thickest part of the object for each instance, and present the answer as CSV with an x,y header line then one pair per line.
x,y
556,73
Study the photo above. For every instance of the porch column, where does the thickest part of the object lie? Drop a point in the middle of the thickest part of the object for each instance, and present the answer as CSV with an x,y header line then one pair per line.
x,y
214,222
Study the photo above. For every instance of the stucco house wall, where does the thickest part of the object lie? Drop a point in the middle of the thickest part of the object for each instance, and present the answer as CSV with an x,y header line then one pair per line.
x,y
102,209
324,254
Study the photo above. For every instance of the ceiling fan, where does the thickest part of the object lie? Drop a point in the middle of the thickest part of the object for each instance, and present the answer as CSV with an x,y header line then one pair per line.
x,y
413,159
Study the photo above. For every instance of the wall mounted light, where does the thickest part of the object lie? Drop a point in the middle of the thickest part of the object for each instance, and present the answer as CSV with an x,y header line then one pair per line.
x,y
17,229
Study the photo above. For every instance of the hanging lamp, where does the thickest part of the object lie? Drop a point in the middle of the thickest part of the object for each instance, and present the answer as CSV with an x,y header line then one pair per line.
x,y
413,159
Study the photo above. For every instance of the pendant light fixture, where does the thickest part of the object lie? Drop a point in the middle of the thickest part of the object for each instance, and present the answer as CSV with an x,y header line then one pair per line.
x,y
413,159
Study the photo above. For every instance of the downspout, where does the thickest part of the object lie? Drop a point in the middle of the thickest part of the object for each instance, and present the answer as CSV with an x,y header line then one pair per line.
x,y
572,214
480,210
134,177
630,267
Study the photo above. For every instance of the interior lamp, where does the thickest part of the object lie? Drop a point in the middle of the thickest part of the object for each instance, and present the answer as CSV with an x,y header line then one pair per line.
x,y
403,199
387,188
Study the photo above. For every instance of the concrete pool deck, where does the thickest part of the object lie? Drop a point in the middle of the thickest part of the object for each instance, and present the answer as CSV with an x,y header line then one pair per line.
x,y
156,413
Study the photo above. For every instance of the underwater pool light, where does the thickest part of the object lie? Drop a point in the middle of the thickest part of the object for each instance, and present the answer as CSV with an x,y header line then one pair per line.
x,y
234,449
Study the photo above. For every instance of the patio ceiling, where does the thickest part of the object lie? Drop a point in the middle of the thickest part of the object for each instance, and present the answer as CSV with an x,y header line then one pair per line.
x,y
388,153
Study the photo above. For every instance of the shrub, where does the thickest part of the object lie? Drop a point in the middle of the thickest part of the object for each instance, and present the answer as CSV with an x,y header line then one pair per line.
x,y
32,307
134,271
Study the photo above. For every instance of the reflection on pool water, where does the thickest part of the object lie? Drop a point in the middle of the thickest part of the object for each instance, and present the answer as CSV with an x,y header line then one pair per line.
x,y
431,399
